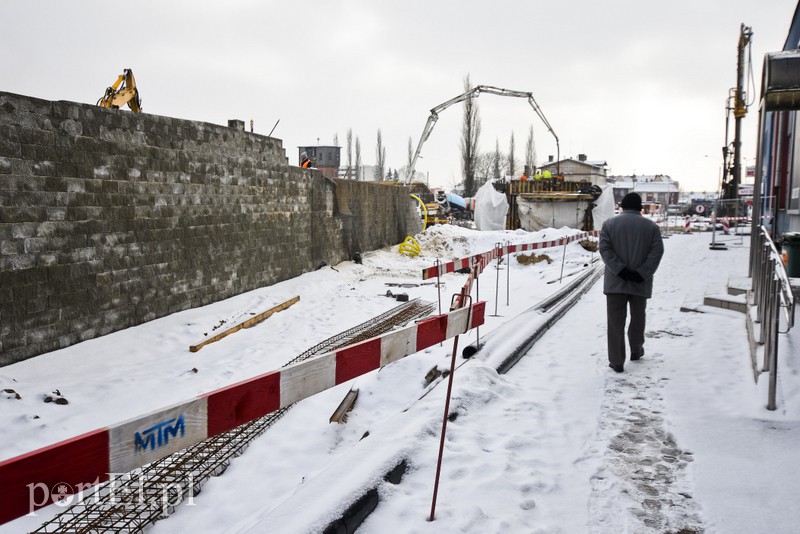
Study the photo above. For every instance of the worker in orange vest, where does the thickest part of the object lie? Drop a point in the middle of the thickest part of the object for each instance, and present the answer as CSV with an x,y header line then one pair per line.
x,y
304,161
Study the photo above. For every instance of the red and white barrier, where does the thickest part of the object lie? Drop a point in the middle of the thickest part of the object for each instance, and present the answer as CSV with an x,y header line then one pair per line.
x,y
735,218
487,257
78,463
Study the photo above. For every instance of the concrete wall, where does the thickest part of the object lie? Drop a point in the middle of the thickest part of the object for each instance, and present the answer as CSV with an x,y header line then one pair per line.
x,y
110,219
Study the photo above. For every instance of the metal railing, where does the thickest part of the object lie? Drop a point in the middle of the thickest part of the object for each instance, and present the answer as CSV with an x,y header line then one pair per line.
x,y
772,295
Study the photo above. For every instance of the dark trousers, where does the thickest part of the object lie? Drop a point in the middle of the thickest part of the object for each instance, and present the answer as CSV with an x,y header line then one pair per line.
x,y
617,311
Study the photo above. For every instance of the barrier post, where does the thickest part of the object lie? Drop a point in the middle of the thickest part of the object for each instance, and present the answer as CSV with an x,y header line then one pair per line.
x,y
476,271
508,272
436,264
563,259
499,256
466,300
773,347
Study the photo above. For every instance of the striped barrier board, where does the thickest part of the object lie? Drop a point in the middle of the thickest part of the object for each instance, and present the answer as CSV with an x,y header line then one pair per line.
x,y
78,463
468,262
484,259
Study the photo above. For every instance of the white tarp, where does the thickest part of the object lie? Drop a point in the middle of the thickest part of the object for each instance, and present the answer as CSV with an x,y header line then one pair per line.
x,y
491,208
603,207
534,216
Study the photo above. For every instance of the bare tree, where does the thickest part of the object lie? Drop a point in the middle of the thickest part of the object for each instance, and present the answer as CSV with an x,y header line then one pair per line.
x,y
380,157
512,167
358,158
484,169
470,132
489,165
530,151
349,170
497,159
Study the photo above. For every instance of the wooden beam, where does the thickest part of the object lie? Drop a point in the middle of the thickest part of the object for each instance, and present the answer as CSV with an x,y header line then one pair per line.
x,y
556,196
246,324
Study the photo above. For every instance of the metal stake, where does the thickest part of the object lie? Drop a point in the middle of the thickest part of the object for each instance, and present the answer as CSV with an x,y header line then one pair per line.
x,y
563,259
477,299
444,428
438,284
497,282
508,272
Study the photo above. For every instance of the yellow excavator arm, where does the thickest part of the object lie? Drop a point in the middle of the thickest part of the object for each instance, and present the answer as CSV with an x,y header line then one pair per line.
x,y
123,92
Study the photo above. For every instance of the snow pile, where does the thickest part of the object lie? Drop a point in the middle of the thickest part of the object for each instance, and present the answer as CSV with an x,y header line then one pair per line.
x,y
681,440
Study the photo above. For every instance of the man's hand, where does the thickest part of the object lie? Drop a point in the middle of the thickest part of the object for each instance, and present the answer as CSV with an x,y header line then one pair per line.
x,y
631,276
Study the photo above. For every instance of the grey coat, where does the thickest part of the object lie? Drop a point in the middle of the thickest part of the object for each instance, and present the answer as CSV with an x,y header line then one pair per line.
x,y
632,241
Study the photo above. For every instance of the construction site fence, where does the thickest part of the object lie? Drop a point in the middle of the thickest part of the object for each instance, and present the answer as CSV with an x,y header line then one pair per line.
x,y
484,258
774,305
517,187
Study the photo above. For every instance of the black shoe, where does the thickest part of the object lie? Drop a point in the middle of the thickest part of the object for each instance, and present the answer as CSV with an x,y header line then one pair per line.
x,y
617,368
635,357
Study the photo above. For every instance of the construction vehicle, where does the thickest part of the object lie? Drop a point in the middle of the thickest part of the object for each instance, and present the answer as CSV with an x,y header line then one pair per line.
x,y
472,93
123,92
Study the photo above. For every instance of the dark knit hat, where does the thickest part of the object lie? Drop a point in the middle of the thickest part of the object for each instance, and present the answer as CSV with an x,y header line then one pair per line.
x,y
632,201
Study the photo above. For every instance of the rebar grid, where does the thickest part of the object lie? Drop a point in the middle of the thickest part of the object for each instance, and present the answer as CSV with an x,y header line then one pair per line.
x,y
129,502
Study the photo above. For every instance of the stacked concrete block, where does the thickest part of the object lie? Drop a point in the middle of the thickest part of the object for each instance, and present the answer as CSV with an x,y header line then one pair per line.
x,y
109,219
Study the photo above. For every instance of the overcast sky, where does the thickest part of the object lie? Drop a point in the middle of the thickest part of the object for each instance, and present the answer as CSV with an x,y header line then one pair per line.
x,y
639,84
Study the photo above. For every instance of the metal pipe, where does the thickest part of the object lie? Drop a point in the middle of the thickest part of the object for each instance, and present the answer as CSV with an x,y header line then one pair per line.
x,y
437,264
497,246
773,371
444,428
508,273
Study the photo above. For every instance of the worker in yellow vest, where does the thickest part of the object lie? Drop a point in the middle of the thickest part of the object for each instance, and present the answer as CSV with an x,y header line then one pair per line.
x,y
547,175
538,175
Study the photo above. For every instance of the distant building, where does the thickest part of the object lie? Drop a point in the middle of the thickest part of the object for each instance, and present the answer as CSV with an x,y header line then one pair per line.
x,y
578,170
654,189
324,158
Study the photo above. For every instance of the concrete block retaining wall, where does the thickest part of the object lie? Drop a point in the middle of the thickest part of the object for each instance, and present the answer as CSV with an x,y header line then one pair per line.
x,y
110,219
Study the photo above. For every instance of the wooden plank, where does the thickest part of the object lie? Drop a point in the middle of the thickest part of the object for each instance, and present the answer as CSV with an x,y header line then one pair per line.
x,y
303,379
148,438
33,480
246,324
556,196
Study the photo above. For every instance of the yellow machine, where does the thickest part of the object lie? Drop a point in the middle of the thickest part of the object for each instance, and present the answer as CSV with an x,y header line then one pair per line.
x,y
123,92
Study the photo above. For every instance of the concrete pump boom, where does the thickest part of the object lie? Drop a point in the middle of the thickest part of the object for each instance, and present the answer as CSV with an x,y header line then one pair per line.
x,y
476,91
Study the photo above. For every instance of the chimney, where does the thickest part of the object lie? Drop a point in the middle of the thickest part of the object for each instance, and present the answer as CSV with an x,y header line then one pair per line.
x,y
581,157
550,159
236,123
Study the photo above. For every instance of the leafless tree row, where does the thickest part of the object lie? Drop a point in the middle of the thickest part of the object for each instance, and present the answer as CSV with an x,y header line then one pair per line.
x,y
477,167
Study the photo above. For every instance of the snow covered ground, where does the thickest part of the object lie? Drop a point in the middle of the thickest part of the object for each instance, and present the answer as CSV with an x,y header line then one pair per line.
x,y
681,440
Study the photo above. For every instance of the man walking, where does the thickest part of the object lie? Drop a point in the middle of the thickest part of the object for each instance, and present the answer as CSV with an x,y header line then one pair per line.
x,y
631,248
